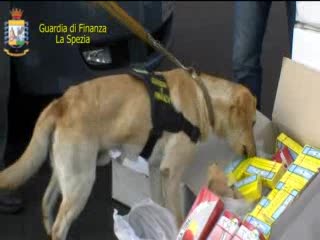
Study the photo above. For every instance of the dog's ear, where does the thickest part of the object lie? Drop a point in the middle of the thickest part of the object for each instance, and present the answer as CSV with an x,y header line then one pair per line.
x,y
236,104
254,102
242,100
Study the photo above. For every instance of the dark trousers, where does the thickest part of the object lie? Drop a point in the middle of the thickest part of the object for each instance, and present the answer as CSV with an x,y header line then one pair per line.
x,y
4,85
250,20
4,99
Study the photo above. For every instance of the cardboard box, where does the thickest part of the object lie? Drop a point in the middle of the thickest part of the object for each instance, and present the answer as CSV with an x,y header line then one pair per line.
x,y
295,113
129,186
226,227
248,232
202,217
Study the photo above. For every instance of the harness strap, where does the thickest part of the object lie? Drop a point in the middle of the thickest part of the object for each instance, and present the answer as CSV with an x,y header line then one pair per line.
x,y
154,135
164,115
192,131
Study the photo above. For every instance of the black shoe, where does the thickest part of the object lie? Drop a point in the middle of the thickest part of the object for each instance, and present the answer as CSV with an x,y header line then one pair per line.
x,y
10,203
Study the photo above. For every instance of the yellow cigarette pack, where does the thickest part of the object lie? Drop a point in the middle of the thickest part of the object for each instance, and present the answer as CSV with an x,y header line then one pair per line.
x,y
258,218
297,177
280,202
270,171
304,170
261,223
264,201
235,170
250,187
294,147
272,194
305,164
310,155
291,181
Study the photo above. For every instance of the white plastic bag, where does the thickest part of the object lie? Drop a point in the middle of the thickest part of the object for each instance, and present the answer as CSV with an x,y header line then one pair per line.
x,y
146,221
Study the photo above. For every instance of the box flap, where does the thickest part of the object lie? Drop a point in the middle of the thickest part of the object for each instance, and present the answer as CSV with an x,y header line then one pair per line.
x,y
296,108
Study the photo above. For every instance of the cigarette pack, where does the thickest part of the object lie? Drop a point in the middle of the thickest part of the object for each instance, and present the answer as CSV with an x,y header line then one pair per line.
x,y
250,187
235,170
261,222
291,181
203,215
264,201
226,227
297,177
248,232
283,156
310,155
280,202
284,141
304,170
270,171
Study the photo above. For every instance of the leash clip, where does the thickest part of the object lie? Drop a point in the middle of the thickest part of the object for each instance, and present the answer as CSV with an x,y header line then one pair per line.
x,y
193,72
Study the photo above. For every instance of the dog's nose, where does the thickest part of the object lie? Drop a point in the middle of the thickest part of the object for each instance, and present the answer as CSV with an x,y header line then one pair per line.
x,y
244,151
248,152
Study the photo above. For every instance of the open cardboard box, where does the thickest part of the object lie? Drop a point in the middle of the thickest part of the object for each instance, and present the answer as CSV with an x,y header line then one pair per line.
x,y
296,112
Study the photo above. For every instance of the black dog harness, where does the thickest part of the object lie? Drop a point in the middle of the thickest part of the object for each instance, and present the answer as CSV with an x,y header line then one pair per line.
x,y
164,116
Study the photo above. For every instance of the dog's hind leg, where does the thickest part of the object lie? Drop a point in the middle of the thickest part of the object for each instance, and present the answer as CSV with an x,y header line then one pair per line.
x,y
48,203
75,168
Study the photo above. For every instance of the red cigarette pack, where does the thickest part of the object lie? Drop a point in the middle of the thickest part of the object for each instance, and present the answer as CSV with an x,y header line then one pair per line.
x,y
283,156
203,215
226,227
248,232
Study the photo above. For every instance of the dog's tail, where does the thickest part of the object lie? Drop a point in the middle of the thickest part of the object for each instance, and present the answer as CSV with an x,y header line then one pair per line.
x,y
36,152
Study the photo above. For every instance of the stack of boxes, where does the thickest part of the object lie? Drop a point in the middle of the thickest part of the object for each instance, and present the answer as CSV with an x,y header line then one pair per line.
x,y
293,167
202,217
287,176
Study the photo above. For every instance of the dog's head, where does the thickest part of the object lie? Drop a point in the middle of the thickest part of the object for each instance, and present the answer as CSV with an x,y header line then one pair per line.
x,y
240,122
234,110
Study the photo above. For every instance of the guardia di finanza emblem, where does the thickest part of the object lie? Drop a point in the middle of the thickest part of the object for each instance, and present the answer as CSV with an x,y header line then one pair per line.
x,y
16,34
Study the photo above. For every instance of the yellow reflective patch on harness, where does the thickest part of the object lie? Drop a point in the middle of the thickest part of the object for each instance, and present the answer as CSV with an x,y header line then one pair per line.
x,y
159,95
158,82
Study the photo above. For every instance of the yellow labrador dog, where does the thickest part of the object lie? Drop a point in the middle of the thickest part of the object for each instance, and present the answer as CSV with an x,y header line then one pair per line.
x,y
94,117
